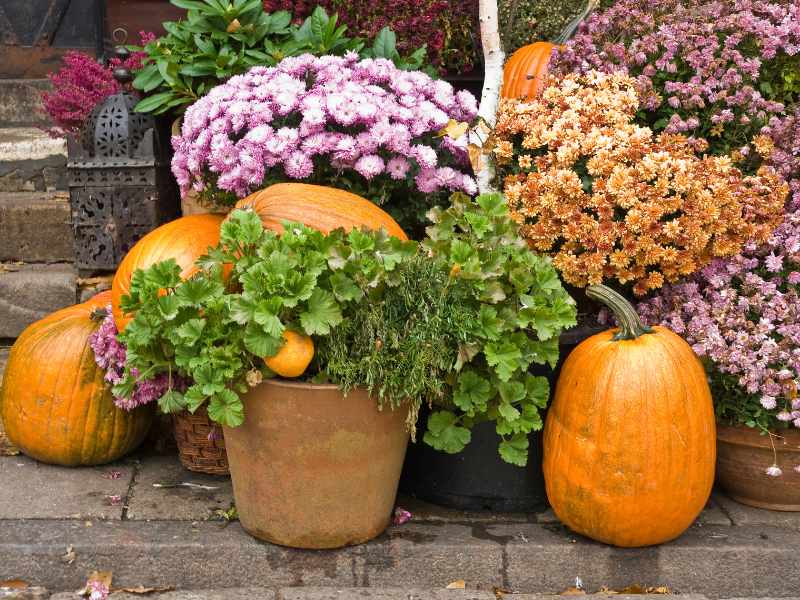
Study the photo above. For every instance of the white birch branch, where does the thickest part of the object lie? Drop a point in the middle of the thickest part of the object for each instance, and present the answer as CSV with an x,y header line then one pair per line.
x,y
494,59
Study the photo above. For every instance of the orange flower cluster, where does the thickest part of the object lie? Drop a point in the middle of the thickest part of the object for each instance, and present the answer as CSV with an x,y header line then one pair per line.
x,y
610,200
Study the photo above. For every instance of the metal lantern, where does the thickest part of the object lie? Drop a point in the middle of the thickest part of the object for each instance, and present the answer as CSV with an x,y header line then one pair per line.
x,y
120,185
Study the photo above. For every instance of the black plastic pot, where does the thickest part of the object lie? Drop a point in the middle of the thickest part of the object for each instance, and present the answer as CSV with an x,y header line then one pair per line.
x,y
472,82
477,478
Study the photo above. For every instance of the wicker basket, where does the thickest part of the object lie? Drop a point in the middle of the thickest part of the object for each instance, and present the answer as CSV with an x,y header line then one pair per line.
x,y
199,451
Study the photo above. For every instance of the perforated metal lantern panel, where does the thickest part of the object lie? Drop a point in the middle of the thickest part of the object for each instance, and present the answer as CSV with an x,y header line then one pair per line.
x,y
120,183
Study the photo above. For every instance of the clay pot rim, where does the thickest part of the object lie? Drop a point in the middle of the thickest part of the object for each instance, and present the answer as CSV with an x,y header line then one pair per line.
x,y
742,435
290,383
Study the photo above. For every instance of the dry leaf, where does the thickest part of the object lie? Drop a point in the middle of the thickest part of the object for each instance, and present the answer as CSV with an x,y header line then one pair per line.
x,y
454,129
233,26
14,584
70,556
500,592
143,591
6,447
573,591
475,157
458,584
662,589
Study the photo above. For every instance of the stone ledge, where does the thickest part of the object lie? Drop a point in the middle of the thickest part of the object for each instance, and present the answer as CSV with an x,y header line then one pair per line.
x,y
21,104
30,292
35,227
720,562
31,160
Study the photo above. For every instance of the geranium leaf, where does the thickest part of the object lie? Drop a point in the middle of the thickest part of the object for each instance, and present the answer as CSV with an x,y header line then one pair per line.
x,y
322,313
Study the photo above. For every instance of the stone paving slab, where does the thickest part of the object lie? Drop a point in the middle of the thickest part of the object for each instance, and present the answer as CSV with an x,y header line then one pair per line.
x,y
31,160
748,515
32,490
35,227
720,562
177,503
4,350
351,594
30,292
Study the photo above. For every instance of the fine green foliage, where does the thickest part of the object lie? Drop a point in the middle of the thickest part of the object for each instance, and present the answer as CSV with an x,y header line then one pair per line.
x,y
220,39
454,322
473,311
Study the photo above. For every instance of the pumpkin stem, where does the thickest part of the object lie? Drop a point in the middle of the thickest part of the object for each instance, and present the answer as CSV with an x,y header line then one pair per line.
x,y
630,325
575,23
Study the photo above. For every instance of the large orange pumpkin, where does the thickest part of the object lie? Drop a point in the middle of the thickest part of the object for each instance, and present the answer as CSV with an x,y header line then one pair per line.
x,y
54,403
319,207
525,72
630,439
185,240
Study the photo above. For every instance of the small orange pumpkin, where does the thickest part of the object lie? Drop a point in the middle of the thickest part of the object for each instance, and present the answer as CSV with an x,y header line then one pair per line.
x,y
54,403
319,207
630,439
295,355
185,240
525,72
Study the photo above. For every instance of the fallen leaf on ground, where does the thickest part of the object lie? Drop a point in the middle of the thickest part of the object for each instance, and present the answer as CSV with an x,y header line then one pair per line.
x,y
458,584
6,447
16,584
573,591
143,591
70,556
635,589
500,592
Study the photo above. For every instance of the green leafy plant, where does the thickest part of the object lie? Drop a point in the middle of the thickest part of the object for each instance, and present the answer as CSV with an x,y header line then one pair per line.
x,y
455,322
475,309
220,39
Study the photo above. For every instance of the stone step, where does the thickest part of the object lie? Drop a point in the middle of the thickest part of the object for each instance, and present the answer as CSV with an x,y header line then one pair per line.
x,y
303,593
29,292
21,104
31,160
718,561
35,227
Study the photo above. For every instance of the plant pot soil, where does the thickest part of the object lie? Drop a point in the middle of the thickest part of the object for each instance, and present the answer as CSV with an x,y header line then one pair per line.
x,y
743,455
312,468
477,478
201,446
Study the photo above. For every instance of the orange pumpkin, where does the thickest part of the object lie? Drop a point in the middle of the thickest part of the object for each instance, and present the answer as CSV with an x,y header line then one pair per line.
x,y
630,439
319,207
525,72
294,356
54,403
185,240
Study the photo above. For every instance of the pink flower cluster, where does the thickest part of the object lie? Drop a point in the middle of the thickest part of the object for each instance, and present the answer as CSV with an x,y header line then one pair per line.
x,y
744,316
699,64
316,118
110,355
81,84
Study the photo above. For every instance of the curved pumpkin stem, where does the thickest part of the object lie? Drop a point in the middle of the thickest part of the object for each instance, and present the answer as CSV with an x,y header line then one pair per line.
x,y
630,325
575,23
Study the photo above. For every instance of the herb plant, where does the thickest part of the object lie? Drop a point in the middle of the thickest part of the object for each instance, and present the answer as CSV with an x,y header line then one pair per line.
x,y
473,311
454,322
221,39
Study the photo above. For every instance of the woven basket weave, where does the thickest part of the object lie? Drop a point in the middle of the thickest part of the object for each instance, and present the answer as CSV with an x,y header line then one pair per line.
x,y
197,452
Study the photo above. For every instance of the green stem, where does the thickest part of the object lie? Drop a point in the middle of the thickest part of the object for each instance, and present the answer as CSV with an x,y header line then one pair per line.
x,y
630,325
575,23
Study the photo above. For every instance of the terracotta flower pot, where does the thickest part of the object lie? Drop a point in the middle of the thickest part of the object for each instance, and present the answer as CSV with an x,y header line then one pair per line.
x,y
312,468
743,455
